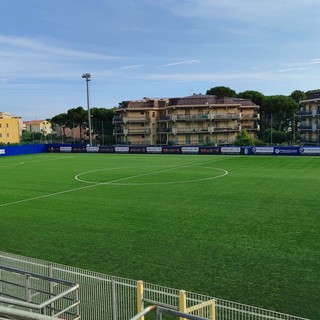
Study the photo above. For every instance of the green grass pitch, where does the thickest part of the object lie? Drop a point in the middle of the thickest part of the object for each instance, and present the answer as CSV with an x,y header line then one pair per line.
x,y
242,228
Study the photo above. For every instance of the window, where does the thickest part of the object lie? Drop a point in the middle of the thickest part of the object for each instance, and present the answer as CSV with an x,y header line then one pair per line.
x,y
0,135
7,125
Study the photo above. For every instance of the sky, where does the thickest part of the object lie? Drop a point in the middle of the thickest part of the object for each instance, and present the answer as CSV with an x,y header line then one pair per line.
x,y
151,48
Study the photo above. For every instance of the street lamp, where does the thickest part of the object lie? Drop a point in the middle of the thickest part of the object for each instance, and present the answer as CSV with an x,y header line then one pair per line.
x,y
87,76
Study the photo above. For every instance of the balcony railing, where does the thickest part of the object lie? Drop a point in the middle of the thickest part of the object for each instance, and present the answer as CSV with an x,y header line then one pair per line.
x,y
135,119
307,127
250,127
254,116
117,119
165,118
192,117
164,130
224,129
304,113
191,130
137,131
228,116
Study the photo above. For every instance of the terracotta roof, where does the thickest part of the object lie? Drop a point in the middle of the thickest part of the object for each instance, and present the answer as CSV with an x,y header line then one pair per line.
x,y
33,122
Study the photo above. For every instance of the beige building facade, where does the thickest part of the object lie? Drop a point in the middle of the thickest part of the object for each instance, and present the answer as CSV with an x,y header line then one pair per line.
x,y
9,128
194,120
42,126
310,119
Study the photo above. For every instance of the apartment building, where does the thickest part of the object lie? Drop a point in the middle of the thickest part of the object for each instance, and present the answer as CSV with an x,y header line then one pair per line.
x,y
193,120
9,128
310,119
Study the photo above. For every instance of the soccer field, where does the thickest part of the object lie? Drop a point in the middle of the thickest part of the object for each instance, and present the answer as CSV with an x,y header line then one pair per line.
x,y
242,228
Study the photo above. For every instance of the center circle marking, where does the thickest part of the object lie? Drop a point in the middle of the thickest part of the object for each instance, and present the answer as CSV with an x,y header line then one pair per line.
x,y
123,181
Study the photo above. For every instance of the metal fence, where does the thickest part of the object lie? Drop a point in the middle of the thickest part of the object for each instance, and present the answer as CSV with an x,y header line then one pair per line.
x,y
105,297
41,294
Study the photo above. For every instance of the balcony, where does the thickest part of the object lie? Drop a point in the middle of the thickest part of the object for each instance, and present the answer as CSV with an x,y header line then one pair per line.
x,y
135,119
192,117
191,130
164,118
255,116
137,131
164,130
224,129
227,116
304,113
117,119
250,127
305,127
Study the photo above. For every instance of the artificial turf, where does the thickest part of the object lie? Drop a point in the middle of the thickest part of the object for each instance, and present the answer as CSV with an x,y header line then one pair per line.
x,y
241,228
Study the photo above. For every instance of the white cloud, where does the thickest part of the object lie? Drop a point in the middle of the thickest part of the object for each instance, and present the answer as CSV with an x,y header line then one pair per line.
x,y
291,69
262,12
208,76
304,63
19,45
182,62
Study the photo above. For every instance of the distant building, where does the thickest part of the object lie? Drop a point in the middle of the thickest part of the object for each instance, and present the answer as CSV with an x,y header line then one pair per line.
x,y
75,134
194,120
9,128
42,126
310,119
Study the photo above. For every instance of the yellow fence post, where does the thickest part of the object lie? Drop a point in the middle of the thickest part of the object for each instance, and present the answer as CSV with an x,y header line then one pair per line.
x,y
140,305
213,310
182,302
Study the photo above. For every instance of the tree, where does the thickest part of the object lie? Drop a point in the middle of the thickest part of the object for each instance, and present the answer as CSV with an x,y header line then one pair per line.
x,y
222,91
102,124
76,118
279,111
255,96
243,139
298,95
278,137
62,120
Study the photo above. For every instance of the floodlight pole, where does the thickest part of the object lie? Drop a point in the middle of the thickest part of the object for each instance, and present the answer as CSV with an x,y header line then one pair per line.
x,y
87,76
271,130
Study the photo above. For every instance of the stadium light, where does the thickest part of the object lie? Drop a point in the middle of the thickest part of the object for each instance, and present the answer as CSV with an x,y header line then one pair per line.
x,y
87,76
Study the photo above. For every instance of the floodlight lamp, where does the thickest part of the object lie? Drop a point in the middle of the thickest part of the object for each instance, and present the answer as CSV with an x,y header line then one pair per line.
x,y
87,76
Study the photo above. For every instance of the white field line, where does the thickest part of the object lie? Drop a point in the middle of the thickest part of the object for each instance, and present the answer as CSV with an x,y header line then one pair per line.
x,y
32,161
48,195
46,159
100,184
11,165
116,182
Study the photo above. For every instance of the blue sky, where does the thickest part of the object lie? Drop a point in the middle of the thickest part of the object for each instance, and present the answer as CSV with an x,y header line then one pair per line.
x,y
151,48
